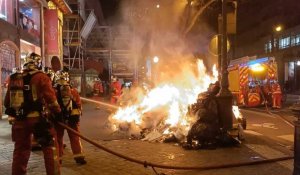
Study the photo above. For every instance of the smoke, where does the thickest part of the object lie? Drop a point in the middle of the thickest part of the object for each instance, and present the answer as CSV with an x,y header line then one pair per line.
x,y
156,29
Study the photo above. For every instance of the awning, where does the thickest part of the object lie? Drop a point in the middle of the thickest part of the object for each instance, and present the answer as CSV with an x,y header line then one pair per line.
x,y
88,25
63,6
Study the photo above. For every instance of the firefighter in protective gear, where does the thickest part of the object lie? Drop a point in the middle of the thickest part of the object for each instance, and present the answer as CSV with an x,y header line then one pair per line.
x,y
27,95
267,93
70,103
51,74
116,90
98,89
276,95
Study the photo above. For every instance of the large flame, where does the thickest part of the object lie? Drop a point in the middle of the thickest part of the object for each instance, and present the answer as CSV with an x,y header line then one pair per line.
x,y
167,104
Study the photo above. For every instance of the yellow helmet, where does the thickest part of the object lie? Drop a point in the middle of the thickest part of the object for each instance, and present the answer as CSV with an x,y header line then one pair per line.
x,y
62,75
33,61
50,73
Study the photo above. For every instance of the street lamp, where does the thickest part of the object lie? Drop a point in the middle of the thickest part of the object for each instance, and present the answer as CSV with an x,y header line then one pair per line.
x,y
278,28
274,39
296,110
155,59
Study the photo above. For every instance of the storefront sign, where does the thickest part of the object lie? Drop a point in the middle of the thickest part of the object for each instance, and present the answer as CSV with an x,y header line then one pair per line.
x,y
51,32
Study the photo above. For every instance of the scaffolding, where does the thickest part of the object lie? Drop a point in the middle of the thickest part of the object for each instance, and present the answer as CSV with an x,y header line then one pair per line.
x,y
113,46
73,42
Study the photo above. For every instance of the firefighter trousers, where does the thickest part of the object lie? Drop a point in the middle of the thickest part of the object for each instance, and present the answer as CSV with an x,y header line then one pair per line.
x,y
277,97
74,140
21,135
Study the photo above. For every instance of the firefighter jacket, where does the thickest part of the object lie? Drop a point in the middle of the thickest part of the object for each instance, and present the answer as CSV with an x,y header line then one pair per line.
x,y
98,87
276,88
116,89
27,92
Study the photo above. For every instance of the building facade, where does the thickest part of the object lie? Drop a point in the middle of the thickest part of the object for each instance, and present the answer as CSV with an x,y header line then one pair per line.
x,y
257,36
22,26
53,16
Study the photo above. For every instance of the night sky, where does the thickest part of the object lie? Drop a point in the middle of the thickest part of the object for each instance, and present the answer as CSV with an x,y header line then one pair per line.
x,y
109,7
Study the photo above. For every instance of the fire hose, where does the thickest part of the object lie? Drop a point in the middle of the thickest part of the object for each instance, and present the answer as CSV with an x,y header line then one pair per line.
x,y
153,165
269,112
150,164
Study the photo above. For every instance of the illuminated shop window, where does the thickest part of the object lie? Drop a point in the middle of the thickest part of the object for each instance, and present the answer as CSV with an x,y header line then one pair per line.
x,y
6,10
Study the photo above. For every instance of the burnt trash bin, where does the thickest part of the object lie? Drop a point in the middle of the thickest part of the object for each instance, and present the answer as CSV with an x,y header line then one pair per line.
x,y
296,111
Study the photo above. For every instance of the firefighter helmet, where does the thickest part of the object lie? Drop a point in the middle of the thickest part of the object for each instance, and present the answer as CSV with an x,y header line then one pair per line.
x,y
16,70
50,73
113,79
33,61
62,75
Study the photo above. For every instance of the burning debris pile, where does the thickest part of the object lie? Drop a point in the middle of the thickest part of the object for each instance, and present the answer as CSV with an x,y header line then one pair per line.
x,y
171,113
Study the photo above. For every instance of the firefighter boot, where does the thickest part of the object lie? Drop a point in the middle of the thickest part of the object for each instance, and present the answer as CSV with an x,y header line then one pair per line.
x,y
80,160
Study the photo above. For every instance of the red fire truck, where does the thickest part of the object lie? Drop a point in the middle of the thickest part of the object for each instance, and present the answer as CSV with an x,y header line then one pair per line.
x,y
250,80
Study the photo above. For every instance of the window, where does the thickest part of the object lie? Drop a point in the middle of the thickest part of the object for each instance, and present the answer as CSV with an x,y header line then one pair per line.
x,y
297,40
268,47
6,10
284,42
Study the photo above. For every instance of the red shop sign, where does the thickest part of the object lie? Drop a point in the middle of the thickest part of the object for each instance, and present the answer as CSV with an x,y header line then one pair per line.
x,y
51,32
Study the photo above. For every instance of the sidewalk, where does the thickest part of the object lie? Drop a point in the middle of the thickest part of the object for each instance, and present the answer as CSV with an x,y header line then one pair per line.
x,y
100,162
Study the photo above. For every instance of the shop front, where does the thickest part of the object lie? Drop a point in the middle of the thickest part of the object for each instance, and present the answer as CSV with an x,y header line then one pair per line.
x,y
9,54
26,48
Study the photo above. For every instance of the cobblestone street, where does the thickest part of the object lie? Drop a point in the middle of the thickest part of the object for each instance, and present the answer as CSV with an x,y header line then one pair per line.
x,y
100,162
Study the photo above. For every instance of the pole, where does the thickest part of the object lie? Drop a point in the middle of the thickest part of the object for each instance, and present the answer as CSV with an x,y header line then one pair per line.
x,y
224,82
225,96
296,110
42,34
219,45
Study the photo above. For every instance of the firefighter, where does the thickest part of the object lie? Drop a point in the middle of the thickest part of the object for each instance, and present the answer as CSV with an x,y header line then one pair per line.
x,y
28,93
116,90
276,95
98,89
51,74
70,103
267,93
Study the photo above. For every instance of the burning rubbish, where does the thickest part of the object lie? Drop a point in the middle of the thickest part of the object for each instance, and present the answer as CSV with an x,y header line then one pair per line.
x,y
172,113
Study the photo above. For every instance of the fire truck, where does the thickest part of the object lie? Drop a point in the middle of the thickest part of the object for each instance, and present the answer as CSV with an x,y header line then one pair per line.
x,y
250,80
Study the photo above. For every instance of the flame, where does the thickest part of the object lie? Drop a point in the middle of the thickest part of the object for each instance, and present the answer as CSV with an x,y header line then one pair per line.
x,y
167,104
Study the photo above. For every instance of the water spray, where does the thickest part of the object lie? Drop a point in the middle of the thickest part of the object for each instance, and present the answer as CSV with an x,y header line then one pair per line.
x,y
100,103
